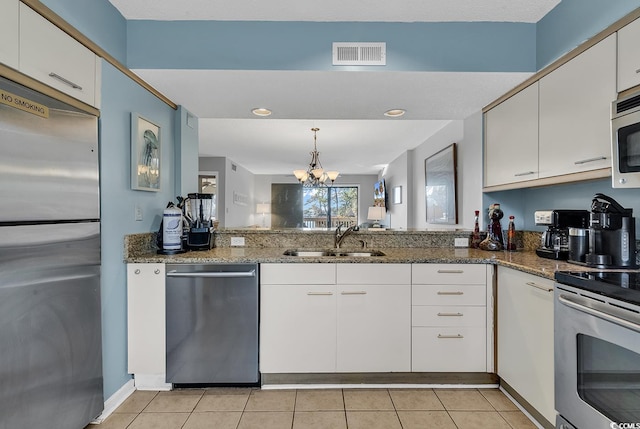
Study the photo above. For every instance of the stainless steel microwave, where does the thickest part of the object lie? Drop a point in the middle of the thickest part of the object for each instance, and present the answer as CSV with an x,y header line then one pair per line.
x,y
625,142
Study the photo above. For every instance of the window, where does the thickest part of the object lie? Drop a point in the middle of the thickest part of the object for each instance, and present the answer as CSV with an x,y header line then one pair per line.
x,y
320,211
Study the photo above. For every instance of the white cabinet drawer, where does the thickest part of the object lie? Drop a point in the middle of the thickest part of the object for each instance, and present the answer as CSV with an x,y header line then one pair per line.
x,y
446,274
301,274
428,315
446,294
449,349
374,274
54,58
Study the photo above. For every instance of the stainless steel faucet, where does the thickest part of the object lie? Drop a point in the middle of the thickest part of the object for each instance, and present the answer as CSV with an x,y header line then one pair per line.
x,y
339,236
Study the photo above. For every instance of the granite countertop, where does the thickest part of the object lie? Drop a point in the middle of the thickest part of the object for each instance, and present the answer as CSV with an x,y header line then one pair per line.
x,y
526,261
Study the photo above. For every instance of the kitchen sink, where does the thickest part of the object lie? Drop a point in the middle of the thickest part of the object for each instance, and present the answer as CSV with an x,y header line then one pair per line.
x,y
333,252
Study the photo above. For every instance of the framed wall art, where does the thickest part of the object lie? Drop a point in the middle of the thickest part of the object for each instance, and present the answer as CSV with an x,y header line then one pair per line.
x,y
145,154
440,186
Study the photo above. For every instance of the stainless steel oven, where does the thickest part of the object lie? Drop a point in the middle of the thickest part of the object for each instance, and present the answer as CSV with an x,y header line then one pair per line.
x,y
597,350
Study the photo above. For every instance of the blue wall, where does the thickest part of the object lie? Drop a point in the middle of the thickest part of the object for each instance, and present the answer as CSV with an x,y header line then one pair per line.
x,y
99,20
251,45
572,22
120,97
523,202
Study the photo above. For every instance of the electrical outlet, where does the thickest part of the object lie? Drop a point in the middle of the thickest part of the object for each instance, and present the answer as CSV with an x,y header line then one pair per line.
x,y
138,213
237,241
461,242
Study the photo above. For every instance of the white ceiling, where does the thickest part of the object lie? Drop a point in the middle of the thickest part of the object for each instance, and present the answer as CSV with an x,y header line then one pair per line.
x,y
354,136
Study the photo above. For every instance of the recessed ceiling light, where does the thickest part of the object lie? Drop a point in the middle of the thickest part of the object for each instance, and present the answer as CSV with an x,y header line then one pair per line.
x,y
261,111
394,113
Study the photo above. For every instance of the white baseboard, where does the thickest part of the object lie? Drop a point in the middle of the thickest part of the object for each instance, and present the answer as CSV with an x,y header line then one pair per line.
x,y
115,401
151,382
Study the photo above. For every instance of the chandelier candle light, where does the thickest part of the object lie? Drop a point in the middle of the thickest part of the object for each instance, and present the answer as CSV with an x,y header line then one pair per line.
x,y
315,175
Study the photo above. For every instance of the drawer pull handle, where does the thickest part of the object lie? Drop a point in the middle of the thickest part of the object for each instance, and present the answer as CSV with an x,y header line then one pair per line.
x,y
137,271
355,292
65,81
525,173
456,336
450,293
451,314
585,161
450,271
537,286
319,293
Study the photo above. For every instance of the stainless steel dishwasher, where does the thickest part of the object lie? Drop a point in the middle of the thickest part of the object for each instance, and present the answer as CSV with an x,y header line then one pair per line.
x,y
212,323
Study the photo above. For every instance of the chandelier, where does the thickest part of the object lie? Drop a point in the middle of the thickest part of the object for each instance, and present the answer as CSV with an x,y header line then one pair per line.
x,y
314,175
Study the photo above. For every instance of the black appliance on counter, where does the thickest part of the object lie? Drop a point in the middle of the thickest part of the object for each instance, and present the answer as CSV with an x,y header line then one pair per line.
x,y
597,348
555,240
612,235
200,235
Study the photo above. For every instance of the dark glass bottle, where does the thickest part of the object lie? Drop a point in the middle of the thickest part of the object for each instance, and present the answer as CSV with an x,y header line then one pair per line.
x,y
511,235
475,237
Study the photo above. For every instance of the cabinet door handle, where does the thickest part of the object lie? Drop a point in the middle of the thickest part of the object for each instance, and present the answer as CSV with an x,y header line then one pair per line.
x,y
456,336
137,271
440,292
451,314
585,161
525,173
319,293
156,271
637,70
537,286
355,292
450,271
65,81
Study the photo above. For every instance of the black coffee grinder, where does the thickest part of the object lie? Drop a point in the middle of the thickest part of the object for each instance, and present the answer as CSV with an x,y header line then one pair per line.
x,y
612,235
200,209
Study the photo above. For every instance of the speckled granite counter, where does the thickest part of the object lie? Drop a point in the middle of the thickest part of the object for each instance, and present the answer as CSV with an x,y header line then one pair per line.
x,y
526,261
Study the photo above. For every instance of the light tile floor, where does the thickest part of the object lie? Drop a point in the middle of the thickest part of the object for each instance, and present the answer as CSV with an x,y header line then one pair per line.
x,y
241,408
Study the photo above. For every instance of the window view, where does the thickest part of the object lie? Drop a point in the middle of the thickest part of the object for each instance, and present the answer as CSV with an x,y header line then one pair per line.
x,y
330,207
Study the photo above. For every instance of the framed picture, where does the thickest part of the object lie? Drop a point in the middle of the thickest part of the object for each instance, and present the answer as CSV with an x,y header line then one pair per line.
x,y
440,186
397,195
145,154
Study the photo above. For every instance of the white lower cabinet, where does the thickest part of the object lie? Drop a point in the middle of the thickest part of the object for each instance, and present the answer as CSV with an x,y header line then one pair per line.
x,y
374,319
297,328
146,321
359,323
525,337
451,306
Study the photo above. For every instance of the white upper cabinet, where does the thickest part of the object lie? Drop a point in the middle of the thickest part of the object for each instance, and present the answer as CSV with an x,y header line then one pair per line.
x,y
54,58
511,139
575,112
9,33
629,56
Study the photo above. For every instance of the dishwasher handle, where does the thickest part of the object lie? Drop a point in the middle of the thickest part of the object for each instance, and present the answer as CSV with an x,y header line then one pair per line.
x,y
217,274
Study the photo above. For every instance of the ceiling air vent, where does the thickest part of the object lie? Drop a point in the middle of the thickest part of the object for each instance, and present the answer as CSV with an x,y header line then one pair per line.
x,y
359,54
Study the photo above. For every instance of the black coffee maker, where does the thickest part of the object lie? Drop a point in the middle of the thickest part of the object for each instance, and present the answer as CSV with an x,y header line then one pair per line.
x,y
612,235
555,240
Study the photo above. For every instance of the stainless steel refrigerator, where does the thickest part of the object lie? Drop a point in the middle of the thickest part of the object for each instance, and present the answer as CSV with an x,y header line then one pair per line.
x,y
50,323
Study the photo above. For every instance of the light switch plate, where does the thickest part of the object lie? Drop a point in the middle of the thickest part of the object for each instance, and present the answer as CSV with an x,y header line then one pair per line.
x,y
138,213
461,242
237,241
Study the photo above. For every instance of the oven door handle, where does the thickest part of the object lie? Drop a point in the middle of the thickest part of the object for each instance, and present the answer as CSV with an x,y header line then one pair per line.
x,y
563,299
